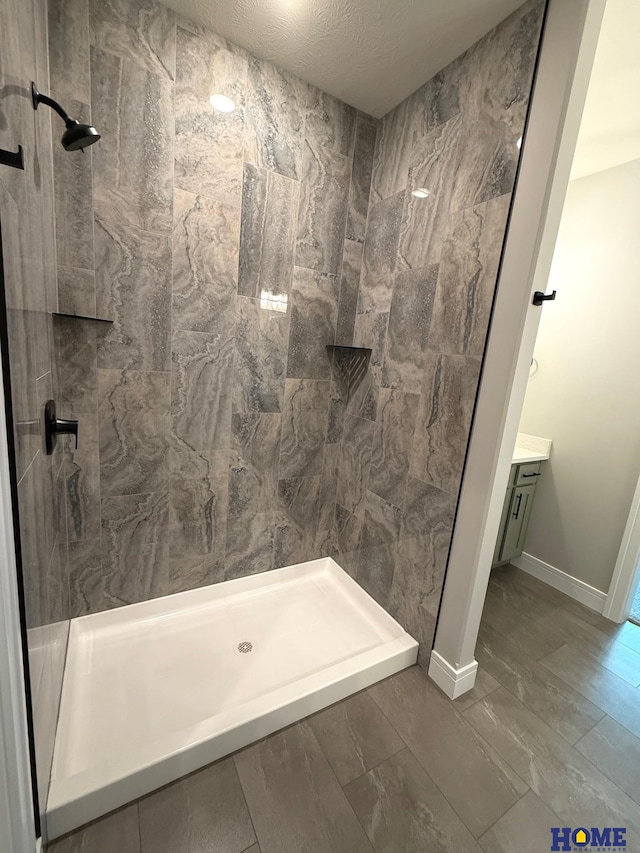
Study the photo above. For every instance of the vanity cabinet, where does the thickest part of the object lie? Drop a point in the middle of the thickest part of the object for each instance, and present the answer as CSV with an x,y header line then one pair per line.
x,y
516,511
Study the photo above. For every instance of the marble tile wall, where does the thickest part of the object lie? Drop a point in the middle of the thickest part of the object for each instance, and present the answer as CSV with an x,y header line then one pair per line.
x,y
428,274
221,437
29,263
227,250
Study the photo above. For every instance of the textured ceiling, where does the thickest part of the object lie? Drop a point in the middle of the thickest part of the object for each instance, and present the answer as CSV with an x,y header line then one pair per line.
x,y
610,129
369,53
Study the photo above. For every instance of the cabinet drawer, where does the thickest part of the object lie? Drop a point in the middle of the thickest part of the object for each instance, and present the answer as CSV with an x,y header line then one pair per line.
x,y
528,473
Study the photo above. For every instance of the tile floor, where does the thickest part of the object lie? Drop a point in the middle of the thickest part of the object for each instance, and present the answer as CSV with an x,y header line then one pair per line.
x,y
549,736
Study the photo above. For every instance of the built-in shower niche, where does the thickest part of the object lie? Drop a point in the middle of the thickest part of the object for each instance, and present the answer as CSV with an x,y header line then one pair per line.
x,y
350,367
155,690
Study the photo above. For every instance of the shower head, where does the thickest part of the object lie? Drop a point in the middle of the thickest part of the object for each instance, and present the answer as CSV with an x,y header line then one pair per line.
x,y
76,135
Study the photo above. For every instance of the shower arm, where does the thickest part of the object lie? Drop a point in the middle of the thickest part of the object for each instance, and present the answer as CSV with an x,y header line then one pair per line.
x,y
39,98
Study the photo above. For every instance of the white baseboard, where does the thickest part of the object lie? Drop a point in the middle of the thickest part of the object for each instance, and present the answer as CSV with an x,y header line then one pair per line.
x,y
454,682
573,587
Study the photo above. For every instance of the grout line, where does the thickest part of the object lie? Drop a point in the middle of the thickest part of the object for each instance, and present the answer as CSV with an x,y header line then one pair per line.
x,y
498,819
232,756
379,764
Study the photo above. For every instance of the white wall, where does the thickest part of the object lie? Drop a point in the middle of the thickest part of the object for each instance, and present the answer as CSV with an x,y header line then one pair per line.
x,y
586,393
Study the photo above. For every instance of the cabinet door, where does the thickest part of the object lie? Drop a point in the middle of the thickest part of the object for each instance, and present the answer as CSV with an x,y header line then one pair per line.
x,y
503,526
517,521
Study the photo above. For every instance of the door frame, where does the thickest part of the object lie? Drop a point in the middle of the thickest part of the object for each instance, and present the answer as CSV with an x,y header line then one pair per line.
x,y
16,800
626,576
564,67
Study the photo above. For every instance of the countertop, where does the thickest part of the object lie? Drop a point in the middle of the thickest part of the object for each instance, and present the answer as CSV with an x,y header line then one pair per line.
x,y
530,448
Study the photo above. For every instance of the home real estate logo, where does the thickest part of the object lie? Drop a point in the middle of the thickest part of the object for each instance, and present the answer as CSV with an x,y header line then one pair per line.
x,y
607,838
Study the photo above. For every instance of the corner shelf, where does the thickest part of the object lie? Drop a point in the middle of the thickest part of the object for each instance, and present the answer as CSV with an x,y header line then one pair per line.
x,y
352,364
80,317
347,349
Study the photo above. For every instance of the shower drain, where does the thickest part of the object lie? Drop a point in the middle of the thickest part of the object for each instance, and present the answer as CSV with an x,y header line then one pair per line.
x,y
245,647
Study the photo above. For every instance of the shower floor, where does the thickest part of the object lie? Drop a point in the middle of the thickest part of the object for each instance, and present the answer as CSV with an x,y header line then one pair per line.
x,y
155,690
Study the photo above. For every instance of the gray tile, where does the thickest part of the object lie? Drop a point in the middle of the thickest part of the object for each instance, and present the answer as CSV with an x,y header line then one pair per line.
x,y
484,685
355,736
268,233
76,291
397,134
616,697
348,529
401,809
523,629
609,649
365,142
391,446
421,564
202,371
21,334
304,427
276,109
616,752
322,209
525,827
249,545
86,580
621,661
82,481
133,176
565,710
349,286
133,288
260,357
208,143
134,425
425,219
467,278
118,831
204,811
295,521
69,50
446,94
141,31
205,262
328,487
329,122
562,778
380,521
379,259
76,360
295,800
338,399
409,328
253,466
503,64
444,420
74,198
195,572
199,499
373,567
135,549
354,464
488,786
314,313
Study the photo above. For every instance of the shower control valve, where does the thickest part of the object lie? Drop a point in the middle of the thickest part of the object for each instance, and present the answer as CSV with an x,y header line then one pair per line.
x,y
54,426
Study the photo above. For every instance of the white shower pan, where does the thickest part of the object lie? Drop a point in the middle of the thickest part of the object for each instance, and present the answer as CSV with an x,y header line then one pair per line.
x,y
155,690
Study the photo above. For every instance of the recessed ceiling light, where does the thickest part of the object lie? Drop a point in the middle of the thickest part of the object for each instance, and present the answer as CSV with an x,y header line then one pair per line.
x,y
519,142
421,192
222,103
